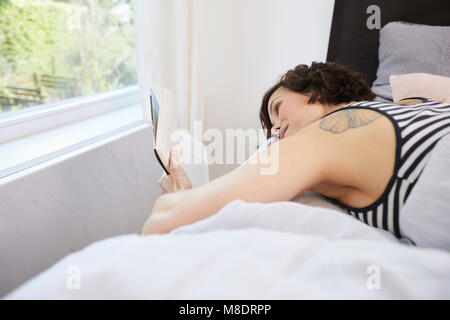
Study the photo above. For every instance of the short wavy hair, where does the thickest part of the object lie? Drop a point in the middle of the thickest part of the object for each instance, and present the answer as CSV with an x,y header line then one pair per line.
x,y
327,82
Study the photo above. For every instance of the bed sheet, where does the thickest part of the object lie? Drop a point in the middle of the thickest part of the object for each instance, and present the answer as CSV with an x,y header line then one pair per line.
x,y
280,250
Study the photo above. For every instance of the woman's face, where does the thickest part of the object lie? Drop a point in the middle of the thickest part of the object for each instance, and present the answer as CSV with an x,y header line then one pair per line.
x,y
290,112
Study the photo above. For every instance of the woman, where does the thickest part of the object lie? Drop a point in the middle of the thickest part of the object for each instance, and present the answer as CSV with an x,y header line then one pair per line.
x,y
362,155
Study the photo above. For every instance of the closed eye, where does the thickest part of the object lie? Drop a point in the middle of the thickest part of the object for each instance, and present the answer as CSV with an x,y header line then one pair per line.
x,y
277,108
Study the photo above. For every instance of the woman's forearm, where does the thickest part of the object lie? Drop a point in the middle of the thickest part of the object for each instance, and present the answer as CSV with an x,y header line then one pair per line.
x,y
175,209
158,223
162,212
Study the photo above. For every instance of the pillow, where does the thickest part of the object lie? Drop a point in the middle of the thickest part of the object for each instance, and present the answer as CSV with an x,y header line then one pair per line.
x,y
260,148
425,217
410,48
420,85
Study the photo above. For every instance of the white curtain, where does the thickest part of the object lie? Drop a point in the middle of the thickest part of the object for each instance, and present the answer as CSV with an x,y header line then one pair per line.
x,y
218,57
169,41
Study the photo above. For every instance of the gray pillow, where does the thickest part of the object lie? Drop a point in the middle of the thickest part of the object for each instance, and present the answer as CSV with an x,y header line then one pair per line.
x,y
425,217
410,48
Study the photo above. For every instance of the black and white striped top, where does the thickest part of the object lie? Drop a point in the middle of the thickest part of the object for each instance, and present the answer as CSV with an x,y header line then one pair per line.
x,y
418,128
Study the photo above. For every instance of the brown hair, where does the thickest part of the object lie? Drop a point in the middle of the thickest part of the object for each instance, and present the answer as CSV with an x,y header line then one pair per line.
x,y
327,82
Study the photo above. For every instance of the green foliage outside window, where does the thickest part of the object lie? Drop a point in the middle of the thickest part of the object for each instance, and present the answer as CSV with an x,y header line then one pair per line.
x,y
86,45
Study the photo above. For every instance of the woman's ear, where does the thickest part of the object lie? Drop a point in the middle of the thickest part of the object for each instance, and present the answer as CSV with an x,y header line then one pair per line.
x,y
275,131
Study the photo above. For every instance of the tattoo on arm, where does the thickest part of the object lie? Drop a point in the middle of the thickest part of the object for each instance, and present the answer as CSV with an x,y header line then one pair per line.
x,y
350,118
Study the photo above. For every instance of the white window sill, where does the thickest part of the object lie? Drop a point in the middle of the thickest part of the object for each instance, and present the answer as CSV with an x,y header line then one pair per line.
x,y
29,121
29,151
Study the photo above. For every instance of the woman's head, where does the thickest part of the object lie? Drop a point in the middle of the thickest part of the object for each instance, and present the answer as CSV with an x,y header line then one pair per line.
x,y
307,93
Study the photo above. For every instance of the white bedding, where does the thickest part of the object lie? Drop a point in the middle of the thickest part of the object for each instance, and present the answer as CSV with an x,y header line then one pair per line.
x,y
281,250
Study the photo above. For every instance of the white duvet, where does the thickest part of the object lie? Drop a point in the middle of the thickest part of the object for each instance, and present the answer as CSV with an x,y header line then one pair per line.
x,y
281,250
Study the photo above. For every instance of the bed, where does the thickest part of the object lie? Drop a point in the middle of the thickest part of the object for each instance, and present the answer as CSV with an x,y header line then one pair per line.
x,y
282,250
301,249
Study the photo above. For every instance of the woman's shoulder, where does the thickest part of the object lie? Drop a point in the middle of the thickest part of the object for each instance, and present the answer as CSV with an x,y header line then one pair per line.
x,y
343,120
357,147
358,118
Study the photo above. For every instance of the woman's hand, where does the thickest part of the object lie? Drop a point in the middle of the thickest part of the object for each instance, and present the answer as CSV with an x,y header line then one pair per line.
x,y
177,178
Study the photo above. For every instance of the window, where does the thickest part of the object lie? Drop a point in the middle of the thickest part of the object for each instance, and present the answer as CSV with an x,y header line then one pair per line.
x,y
54,50
68,78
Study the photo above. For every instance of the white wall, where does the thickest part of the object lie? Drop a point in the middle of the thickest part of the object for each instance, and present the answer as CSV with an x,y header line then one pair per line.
x,y
247,50
64,205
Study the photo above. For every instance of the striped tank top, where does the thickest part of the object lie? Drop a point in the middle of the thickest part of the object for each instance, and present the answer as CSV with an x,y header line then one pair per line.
x,y
418,128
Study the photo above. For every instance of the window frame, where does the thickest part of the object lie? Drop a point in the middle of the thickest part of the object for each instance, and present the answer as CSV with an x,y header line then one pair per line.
x,y
83,121
25,122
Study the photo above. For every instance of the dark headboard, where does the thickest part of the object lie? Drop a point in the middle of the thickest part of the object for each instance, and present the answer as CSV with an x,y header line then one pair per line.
x,y
354,45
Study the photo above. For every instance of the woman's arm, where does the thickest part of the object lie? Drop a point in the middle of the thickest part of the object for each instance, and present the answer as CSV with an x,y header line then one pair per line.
x,y
292,166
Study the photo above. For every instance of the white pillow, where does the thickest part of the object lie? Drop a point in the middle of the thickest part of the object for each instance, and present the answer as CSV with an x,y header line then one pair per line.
x,y
262,147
